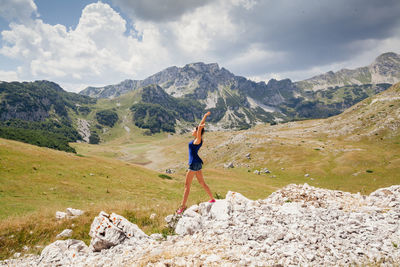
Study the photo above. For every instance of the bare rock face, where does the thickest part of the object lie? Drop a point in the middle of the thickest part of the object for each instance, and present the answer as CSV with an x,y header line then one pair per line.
x,y
110,230
84,129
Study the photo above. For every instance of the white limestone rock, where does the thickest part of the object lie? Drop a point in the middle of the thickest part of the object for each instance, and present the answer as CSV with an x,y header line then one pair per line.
x,y
74,212
229,165
219,210
298,225
62,252
110,230
68,214
188,225
61,215
65,233
156,236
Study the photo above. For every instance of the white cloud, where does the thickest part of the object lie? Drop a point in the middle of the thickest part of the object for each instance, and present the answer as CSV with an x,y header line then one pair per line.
x,y
8,76
20,10
100,51
255,54
197,33
97,50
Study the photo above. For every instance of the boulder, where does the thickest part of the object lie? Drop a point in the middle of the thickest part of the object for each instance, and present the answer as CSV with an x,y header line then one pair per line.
x,y
61,215
62,252
74,212
110,230
69,214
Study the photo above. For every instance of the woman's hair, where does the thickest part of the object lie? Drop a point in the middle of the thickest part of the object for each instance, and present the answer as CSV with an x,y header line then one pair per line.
x,y
202,130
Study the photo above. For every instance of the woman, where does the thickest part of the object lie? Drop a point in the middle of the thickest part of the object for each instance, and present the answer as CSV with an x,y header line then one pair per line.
x,y
195,164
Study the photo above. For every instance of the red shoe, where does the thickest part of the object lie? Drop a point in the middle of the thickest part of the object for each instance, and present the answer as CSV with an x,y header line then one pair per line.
x,y
211,201
180,210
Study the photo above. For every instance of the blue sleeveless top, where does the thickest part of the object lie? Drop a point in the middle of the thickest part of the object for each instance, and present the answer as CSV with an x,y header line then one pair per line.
x,y
193,150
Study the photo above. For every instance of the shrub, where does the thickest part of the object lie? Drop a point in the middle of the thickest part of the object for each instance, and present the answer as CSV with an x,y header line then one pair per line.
x,y
94,138
107,117
164,176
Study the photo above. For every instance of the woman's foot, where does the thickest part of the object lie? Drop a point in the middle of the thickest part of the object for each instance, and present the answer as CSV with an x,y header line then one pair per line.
x,y
211,201
180,210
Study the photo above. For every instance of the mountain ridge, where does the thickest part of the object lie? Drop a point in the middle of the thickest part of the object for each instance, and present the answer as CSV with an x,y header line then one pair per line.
x,y
384,69
241,103
386,63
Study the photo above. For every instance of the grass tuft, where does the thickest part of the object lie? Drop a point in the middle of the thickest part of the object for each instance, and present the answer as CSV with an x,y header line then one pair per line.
x,y
164,176
217,196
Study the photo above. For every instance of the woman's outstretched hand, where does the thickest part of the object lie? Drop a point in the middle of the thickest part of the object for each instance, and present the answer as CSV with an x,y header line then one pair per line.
x,y
204,119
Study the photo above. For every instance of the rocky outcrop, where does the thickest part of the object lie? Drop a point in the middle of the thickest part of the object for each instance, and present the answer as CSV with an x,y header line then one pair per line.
x,y
84,129
109,230
298,225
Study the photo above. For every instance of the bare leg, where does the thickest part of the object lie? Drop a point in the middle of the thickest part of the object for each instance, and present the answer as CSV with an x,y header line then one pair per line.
x,y
189,179
200,178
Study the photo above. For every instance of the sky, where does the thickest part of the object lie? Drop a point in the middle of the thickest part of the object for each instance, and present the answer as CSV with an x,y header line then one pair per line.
x,y
80,43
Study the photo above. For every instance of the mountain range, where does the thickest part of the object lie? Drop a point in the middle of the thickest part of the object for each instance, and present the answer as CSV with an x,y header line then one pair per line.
x,y
173,100
240,103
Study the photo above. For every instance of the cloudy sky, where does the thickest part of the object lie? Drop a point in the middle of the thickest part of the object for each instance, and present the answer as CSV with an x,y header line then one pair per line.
x,y
77,43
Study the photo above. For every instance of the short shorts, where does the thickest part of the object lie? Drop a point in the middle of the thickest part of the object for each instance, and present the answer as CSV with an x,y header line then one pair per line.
x,y
196,166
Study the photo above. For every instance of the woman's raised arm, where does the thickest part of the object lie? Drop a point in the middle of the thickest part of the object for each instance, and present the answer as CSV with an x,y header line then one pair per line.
x,y
200,127
202,123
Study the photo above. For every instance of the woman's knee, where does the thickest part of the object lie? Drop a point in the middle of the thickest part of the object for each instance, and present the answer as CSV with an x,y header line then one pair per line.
x,y
202,183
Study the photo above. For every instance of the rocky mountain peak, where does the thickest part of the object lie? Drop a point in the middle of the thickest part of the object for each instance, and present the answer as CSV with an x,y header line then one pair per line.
x,y
387,57
202,67
280,83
